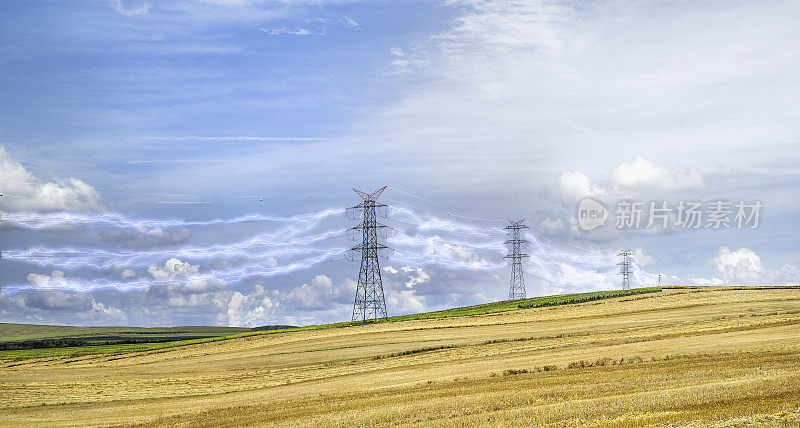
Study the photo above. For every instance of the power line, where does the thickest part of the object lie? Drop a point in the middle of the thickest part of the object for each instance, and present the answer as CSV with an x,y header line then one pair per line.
x,y
449,208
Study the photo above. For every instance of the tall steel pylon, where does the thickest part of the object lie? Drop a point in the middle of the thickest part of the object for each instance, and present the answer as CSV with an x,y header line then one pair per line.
x,y
625,268
369,302
517,286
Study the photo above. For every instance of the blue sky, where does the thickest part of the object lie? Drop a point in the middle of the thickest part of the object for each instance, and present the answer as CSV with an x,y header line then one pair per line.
x,y
471,111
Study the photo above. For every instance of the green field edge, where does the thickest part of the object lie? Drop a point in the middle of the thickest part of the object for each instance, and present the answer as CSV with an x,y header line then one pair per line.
x,y
76,331
481,309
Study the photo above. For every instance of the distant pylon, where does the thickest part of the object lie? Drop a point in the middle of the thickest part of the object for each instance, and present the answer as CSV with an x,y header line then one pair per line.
x,y
517,285
369,302
625,268
659,280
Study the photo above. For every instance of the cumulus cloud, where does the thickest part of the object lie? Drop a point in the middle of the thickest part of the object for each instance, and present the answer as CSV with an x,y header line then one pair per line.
x,y
406,301
416,276
390,270
318,300
641,180
744,267
187,286
127,274
24,192
645,174
574,185
628,179
55,279
250,310
172,268
319,294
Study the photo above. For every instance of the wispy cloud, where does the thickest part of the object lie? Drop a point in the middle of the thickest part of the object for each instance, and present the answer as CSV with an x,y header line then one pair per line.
x,y
228,139
350,22
283,30
126,8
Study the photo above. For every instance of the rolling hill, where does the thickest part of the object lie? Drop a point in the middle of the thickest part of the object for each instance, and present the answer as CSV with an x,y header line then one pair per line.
x,y
708,356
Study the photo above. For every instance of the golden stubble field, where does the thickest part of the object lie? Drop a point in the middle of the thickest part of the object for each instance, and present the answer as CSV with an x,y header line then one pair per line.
x,y
682,357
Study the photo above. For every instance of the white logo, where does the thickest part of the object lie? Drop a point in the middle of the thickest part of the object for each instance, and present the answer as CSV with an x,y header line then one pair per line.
x,y
591,214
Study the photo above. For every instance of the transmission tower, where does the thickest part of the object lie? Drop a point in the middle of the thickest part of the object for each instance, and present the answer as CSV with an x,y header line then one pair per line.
x,y
517,288
370,302
625,268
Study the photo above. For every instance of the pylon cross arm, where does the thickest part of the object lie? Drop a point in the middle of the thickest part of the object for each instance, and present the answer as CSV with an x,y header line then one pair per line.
x,y
370,196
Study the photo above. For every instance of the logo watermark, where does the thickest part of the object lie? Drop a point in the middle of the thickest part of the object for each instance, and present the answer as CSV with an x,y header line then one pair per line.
x,y
591,214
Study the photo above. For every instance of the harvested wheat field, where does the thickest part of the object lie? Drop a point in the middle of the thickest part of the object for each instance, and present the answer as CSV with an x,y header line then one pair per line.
x,y
679,357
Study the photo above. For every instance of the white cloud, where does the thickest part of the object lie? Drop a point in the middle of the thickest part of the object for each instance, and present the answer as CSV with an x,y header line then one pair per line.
x,y
129,8
127,274
23,191
644,174
54,280
629,179
405,302
416,276
108,312
320,293
305,304
282,30
390,270
643,258
350,22
566,85
404,61
188,289
744,267
570,278
552,225
251,310
574,185
173,268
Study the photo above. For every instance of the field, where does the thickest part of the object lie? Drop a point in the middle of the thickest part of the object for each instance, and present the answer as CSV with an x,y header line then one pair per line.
x,y
679,357
35,341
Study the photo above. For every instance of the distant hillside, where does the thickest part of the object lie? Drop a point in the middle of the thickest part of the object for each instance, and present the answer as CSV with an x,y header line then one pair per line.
x,y
14,337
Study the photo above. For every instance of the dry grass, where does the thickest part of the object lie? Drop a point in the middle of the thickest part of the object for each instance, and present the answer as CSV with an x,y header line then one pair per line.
x,y
683,357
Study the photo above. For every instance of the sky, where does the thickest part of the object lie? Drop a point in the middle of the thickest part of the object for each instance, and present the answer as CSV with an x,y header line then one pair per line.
x,y
189,163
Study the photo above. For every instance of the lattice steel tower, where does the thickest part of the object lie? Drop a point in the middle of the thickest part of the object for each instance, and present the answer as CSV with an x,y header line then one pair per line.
x,y
370,302
625,268
517,288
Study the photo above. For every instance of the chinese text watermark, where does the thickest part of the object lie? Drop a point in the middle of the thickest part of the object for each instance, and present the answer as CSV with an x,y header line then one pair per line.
x,y
629,214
